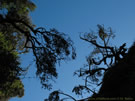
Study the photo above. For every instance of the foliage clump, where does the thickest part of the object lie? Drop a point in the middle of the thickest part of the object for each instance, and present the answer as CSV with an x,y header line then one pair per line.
x,y
10,70
19,35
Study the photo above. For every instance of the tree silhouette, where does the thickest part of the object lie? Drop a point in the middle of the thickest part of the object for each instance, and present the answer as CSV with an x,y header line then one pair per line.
x,y
49,47
107,66
119,80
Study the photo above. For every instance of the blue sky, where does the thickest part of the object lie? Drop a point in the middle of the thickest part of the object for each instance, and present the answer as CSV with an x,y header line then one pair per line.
x,y
73,17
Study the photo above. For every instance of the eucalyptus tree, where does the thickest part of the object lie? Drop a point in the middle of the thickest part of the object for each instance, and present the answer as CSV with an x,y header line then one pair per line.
x,y
103,56
49,47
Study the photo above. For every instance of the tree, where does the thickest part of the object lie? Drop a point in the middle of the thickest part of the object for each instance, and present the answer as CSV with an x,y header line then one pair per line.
x,y
10,83
48,46
10,44
99,62
15,10
119,80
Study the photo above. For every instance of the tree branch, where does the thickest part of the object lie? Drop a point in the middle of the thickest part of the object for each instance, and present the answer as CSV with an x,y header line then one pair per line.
x,y
97,45
68,96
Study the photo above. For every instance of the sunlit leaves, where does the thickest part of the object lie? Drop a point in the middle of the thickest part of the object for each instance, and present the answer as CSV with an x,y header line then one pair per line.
x,y
10,84
16,10
12,89
21,6
5,44
104,34
101,32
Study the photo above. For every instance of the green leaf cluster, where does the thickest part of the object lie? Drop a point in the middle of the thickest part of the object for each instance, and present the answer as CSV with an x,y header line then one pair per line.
x,y
21,6
13,89
10,84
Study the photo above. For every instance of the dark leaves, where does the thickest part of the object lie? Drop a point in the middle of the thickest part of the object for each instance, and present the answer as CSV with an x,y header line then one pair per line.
x,y
49,47
54,96
79,90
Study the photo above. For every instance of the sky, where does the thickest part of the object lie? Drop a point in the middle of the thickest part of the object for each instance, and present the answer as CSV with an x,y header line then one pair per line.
x,y
74,17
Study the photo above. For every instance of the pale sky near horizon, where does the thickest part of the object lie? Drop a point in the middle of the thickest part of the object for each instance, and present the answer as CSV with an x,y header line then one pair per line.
x,y
73,17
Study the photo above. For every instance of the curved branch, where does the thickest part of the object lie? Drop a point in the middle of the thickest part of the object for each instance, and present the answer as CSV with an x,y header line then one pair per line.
x,y
97,45
68,96
103,59
87,87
